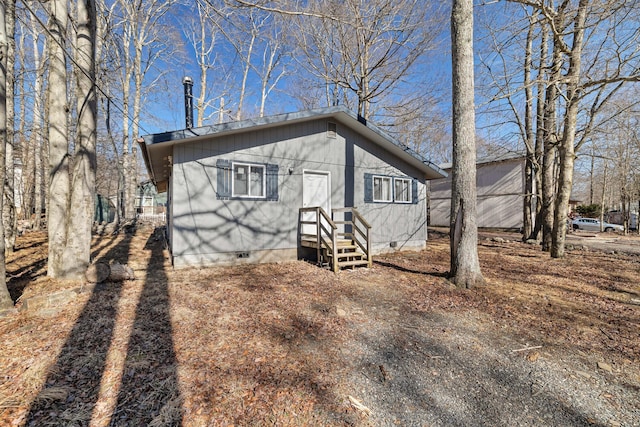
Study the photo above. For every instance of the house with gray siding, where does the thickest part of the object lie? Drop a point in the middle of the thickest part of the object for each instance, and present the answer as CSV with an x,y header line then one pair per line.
x,y
500,184
277,188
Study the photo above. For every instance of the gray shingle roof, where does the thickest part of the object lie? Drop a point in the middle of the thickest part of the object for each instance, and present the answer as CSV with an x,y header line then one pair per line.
x,y
156,147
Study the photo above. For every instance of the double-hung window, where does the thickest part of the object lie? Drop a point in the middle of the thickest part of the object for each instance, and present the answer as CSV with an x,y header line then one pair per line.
x,y
382,189
248,180
402,192
390,189
244,180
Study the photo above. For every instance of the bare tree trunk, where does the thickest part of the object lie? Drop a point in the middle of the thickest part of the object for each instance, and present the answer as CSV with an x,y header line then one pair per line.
x,y
9,207
540,133
626,204
591,169
527,224
28,166
131,178
203,41
625,190
5,298
604,193
37,142
548,193
139,29
550,144
245,74
84,170
363,101
131,182
465,266
566,147
561,209
272,51
45,152
39,184
122,204
57,212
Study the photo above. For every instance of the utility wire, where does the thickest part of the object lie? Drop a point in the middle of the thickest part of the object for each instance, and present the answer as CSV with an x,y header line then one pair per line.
x,y
68,55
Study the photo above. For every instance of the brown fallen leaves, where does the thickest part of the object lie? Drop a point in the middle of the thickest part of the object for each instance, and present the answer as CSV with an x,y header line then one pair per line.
x,y
270,344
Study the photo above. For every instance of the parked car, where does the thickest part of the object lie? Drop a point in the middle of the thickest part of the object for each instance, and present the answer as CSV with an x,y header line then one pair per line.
x,y
591,224
617,217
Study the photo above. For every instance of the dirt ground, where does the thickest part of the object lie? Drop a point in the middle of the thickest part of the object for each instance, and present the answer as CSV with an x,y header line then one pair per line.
x,y
545,343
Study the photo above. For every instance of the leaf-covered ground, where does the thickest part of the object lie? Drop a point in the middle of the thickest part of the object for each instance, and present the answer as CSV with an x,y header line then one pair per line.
x,y
546,342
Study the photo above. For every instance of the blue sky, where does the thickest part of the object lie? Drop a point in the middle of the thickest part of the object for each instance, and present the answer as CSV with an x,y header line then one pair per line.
x,y
169,107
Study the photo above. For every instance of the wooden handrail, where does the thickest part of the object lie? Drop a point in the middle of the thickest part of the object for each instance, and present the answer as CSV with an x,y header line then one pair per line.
x,y
357,233
324,214
322,233
360,218
327,237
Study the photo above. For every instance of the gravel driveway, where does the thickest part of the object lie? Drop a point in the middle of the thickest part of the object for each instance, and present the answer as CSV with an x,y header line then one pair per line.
x,y
463,369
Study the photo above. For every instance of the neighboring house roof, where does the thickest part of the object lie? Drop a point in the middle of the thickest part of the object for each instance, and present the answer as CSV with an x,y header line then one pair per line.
x,y
157,148
498,156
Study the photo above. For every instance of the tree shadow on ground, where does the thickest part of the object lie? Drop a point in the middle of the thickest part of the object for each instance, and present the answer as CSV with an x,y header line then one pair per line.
x,y
148,387
72,387
20,275
19,279
433,376
149,393
411,270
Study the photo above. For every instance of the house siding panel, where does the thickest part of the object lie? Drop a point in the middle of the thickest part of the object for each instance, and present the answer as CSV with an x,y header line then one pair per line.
x,y
405,224
500,187
208,231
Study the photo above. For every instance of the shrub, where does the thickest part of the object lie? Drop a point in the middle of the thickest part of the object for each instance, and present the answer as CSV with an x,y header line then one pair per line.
x,y
589,211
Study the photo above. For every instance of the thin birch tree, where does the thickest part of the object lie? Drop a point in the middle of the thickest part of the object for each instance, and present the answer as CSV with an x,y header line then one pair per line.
x,y
9,207
5,298
142,43
566,143
202,36
354,52
37,142
594,54
366,49
588,52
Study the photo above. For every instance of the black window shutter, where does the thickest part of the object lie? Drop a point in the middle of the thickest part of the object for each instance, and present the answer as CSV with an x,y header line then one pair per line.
x,y
224,179
272,182
414,191
368,188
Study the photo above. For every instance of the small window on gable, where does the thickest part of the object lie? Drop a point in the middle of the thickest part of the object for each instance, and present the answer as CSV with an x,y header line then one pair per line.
x,y
332,129
381,189
248,180
402,190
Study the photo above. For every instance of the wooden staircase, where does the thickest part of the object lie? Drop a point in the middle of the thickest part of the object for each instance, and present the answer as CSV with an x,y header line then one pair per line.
x,y
348,255
338,243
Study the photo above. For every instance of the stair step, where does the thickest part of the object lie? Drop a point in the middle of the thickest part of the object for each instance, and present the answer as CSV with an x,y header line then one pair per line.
x,y
342,264
351,248
352,252
357,255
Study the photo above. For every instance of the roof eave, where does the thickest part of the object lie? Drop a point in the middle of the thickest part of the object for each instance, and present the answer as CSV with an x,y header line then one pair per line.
x,y
164,142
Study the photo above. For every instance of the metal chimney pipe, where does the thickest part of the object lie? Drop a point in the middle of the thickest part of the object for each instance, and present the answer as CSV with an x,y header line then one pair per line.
x,y
188,101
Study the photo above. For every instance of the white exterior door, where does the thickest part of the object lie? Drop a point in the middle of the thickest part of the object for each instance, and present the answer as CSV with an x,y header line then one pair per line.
x,y
316,191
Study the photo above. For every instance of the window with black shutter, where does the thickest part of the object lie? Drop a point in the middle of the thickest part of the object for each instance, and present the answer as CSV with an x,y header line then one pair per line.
x,y
239,180
390,189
